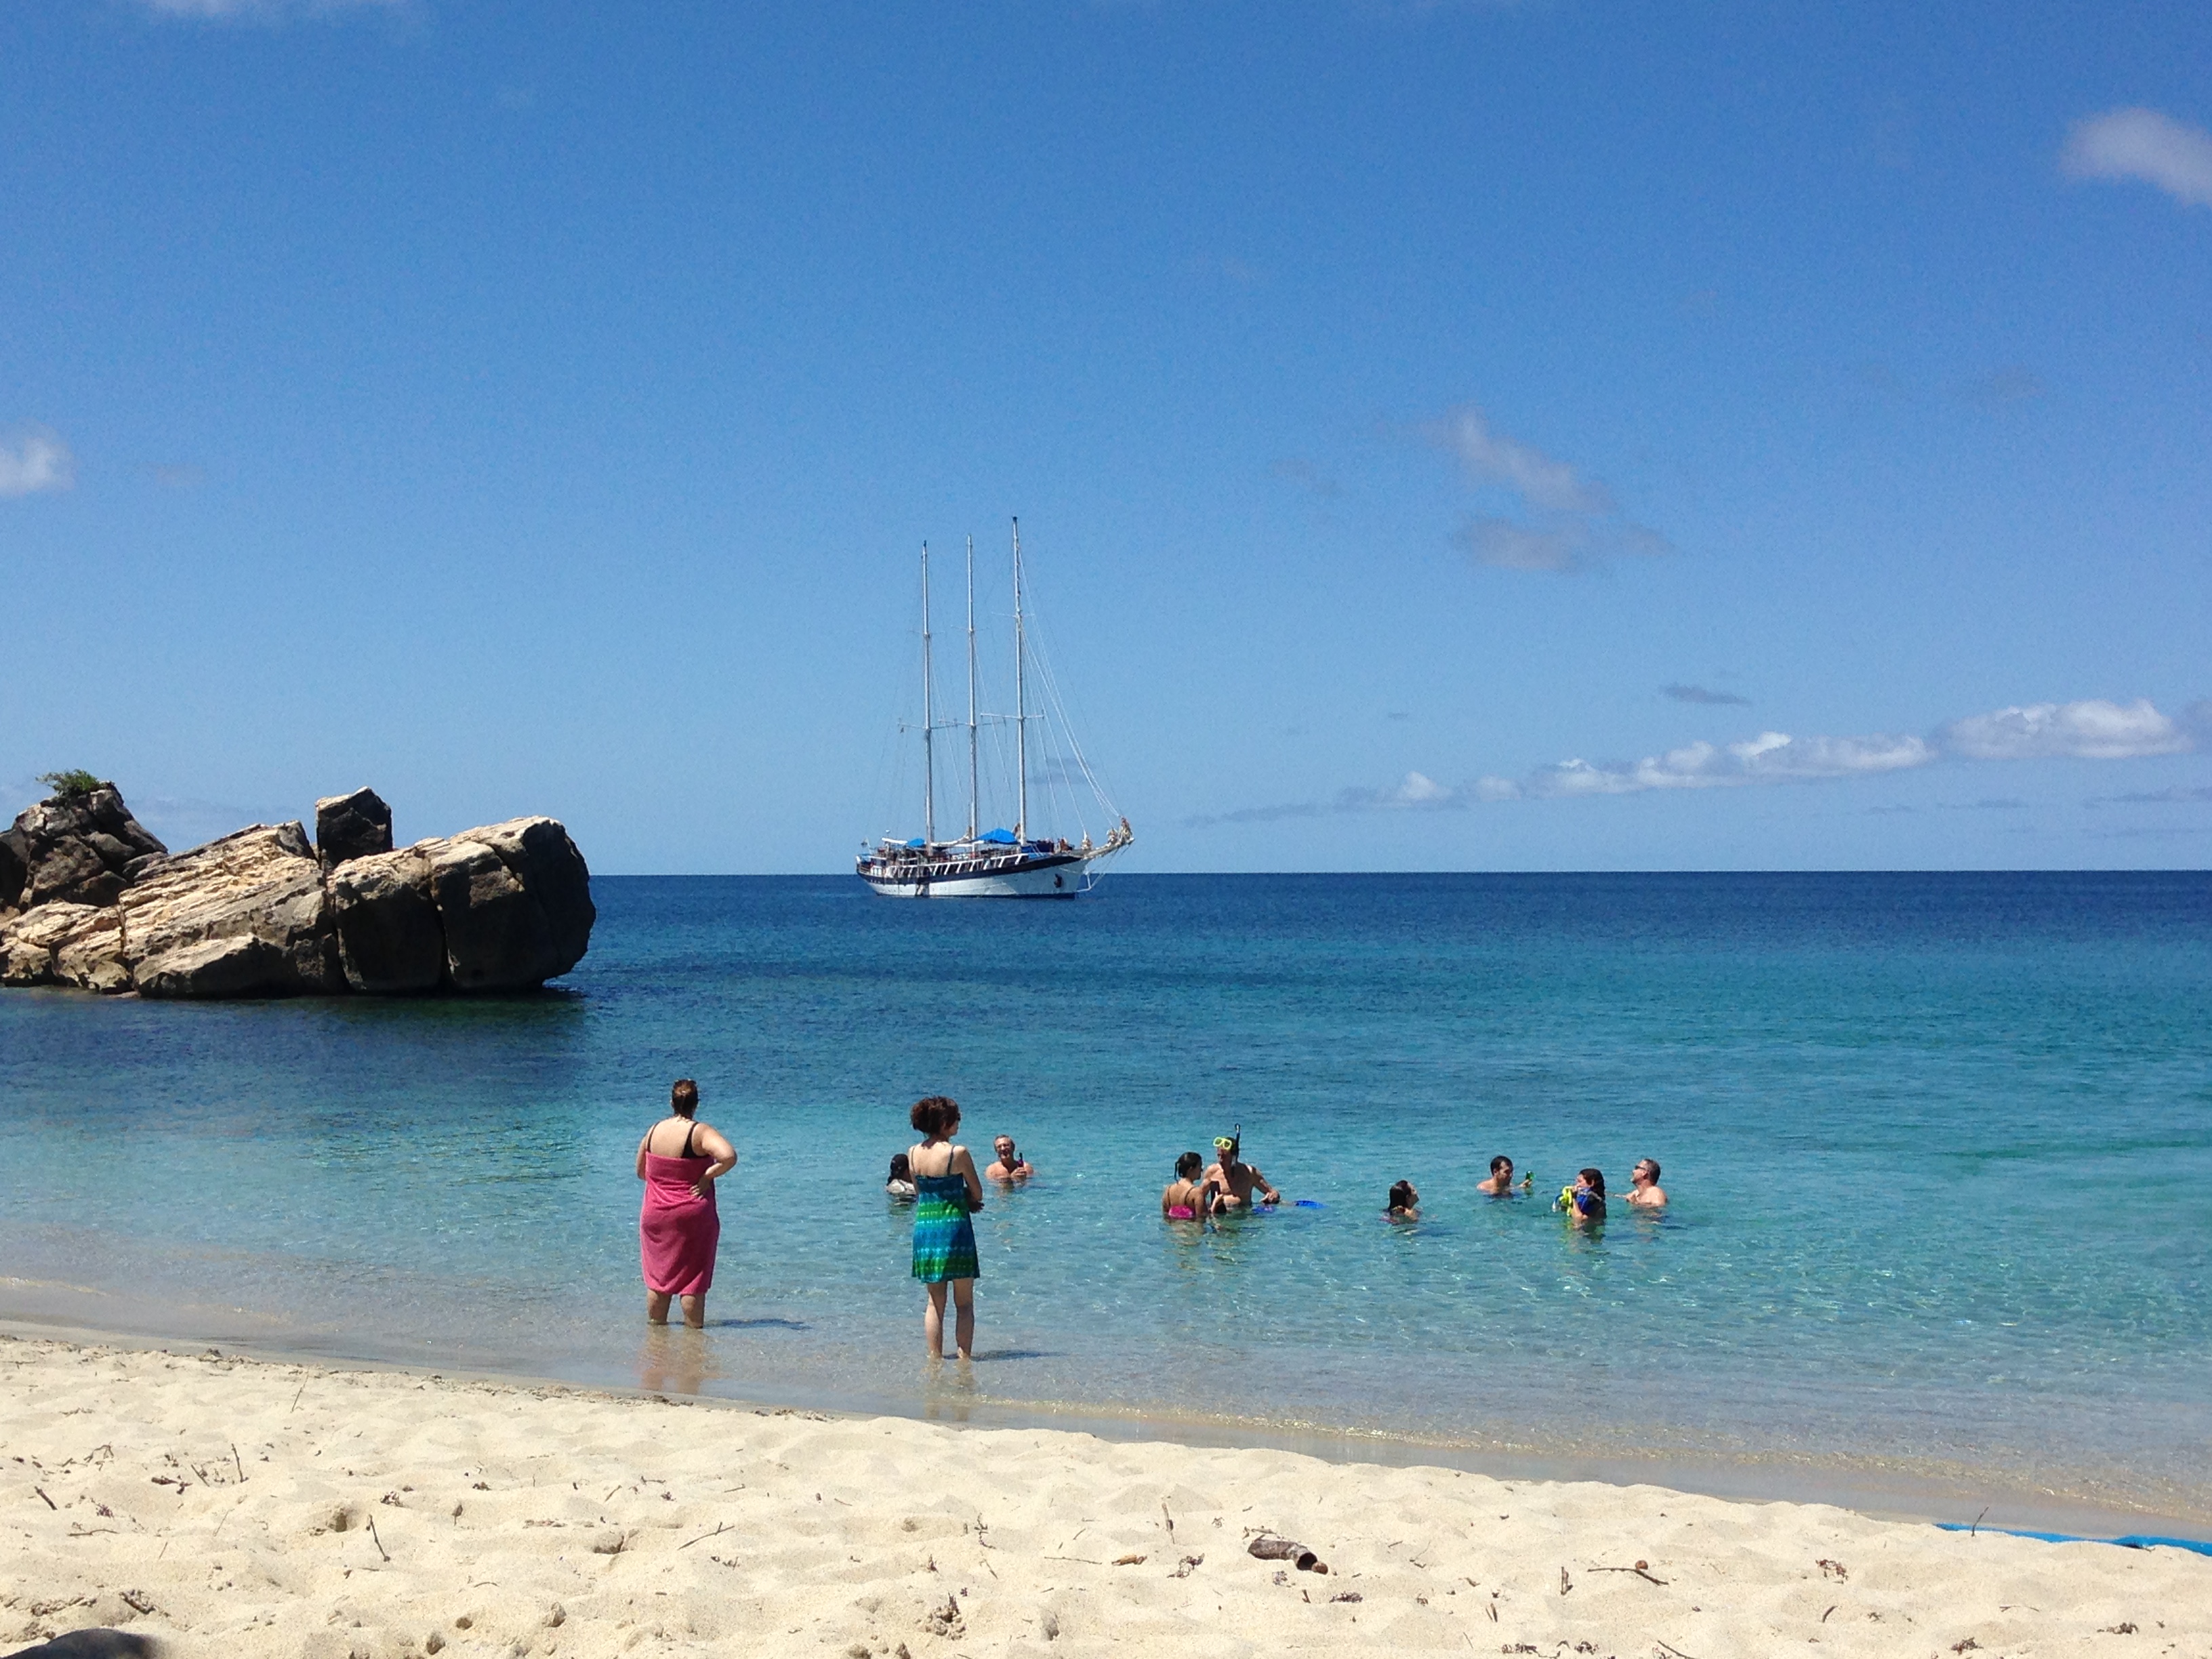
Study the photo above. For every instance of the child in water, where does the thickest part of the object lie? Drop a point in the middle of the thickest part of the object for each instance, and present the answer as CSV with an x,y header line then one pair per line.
x,y
1184,1199
1404,1202
1584,1202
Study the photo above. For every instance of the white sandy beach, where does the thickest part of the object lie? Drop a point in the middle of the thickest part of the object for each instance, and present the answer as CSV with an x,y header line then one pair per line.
x,y
242,1508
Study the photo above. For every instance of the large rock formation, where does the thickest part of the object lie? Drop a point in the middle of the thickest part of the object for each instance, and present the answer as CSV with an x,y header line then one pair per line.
x,y
487,909
259,913
245,915
75,849
390,938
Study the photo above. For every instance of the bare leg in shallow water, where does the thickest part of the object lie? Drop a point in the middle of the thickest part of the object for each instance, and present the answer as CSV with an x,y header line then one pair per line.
x,y
963,1317
695,1309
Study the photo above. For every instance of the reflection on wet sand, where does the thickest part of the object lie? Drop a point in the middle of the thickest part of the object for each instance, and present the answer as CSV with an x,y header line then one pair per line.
x,y
675,1359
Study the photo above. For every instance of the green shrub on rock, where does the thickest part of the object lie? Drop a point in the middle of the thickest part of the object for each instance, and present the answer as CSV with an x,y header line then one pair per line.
x,y
72,784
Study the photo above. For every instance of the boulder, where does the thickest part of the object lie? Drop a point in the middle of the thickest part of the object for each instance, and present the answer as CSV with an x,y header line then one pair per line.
x,y
354,826
70,871
65,943
90,955
390,938
245,915
15,869
263,912
75,849
515,900
27,943
240,965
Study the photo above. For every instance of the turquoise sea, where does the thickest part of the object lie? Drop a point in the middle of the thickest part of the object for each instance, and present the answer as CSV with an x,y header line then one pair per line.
x,y
1939,1148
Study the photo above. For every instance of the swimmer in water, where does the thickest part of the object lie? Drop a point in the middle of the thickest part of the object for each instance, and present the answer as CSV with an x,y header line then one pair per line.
x,y
1234,1181
1184,1199
1500,1184
1404,1202
1584,1202
1644,1192
1010,1165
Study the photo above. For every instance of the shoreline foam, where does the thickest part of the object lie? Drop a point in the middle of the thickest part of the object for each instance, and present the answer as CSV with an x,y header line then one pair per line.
x,y
235,1498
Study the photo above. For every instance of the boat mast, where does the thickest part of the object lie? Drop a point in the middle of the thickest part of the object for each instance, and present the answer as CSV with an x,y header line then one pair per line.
x,y
971,689
928,716
1021,701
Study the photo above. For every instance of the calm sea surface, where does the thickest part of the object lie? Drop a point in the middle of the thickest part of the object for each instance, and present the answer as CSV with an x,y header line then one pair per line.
x,y
1939,1148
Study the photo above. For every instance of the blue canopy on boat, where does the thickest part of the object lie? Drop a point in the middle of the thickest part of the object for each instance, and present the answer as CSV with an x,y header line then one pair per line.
x,y
917,841
998,837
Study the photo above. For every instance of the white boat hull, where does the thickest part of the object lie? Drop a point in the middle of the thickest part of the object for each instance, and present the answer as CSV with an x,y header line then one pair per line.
x,y
1059,876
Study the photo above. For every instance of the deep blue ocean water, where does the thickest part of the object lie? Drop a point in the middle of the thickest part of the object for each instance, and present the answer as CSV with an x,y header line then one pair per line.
x,y
1939,1148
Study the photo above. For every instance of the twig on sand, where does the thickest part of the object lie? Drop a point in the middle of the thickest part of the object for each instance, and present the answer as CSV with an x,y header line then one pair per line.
x,y
235,1459
1642,1570
1978,1521
1080,1561
378,1542
41,1491
294,1405
1672,1649
720,1529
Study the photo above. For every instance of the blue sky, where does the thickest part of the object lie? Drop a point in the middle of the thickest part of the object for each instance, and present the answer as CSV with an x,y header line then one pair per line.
x,y
1446,436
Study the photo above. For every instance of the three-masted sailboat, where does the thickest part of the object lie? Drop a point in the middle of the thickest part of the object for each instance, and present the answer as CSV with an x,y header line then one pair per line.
x,y
996,863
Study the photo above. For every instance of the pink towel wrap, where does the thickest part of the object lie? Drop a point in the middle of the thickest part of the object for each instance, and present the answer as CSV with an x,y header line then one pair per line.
x,y
676,1233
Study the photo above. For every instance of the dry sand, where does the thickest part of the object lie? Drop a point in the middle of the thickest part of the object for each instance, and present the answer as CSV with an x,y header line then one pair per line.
x,y
242,1508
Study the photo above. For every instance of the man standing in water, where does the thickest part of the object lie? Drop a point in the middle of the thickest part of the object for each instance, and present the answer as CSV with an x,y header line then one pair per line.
x,y
1644,1191
1234,1180
1012,1165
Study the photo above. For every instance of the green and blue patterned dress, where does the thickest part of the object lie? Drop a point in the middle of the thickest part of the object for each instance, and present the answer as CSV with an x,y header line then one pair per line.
x,y
944,1237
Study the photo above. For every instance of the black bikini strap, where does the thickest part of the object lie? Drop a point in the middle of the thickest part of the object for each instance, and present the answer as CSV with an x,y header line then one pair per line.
x,y
688,1133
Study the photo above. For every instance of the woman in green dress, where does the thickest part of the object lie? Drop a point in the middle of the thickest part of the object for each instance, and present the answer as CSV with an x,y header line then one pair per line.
x,y
946,1192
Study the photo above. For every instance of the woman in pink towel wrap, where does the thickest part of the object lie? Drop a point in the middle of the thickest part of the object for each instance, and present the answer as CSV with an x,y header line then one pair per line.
x,y
679,1160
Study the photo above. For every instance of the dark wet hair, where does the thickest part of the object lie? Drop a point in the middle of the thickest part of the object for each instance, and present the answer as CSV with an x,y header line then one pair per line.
x,y
1401,1195
935,1114
900,1169
1596,1179
1501,1162
683,1099
1652,1164
1188,1165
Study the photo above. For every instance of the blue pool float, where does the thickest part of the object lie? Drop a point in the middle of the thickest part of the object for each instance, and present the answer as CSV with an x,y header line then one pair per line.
x,y
2134,1540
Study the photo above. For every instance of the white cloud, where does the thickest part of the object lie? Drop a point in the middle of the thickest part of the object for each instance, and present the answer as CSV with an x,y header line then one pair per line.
x,y
2090,729
1565,519
1769,757
2093,729
2145,144
32,460
1494,458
